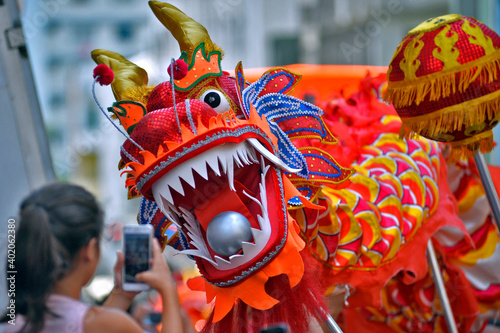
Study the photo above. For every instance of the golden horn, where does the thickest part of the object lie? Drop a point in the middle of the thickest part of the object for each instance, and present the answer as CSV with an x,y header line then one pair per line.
x,y
188,33
127,74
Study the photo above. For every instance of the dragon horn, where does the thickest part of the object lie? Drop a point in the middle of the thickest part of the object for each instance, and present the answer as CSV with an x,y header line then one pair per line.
x,y
188,33
127,74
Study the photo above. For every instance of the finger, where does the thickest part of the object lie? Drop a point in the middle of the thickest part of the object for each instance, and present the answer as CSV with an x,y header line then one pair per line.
x,y
142,277
157,253
115,267
156,248
118,269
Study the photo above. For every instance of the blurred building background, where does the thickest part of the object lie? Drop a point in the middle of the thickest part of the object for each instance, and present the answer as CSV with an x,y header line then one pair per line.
x,y
61,33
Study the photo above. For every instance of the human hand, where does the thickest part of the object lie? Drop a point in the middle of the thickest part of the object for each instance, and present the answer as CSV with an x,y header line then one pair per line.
x,y
119,298
159,276
118,272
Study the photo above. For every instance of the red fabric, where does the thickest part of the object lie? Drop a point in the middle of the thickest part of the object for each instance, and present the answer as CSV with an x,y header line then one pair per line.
x,y
355,121
297,306
495,176
462,298
406,304
355,321
161,97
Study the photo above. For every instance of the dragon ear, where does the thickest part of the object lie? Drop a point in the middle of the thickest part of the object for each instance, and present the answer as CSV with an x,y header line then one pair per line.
x,y
188,33
127,74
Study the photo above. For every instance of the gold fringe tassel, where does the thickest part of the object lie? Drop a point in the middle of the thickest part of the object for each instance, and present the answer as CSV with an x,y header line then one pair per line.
x,y
465,149
454,118
443,84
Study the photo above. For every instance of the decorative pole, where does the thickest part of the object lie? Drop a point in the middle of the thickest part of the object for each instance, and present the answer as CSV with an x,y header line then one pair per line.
x,y
331,324
438,280
489,188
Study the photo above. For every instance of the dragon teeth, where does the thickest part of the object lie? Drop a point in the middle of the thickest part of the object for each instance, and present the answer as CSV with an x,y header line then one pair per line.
x,y
173,208
221,159
160,201
161,193
202,171
221,260
236,159
188,176
235,256
194,233
256,233
252,155
177,187
248,248
198,253
270,156
230,173
244,156
213,162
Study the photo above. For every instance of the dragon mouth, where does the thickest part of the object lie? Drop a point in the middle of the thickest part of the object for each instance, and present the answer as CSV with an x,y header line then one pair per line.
x,y
241,178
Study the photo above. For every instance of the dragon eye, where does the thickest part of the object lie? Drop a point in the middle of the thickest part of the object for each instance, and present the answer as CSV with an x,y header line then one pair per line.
x,y
216,100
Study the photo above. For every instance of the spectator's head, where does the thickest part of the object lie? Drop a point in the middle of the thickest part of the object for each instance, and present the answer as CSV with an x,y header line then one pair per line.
x,y
60,227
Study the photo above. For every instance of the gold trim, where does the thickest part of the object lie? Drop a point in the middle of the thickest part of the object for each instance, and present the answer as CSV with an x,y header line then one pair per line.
x,y
453,118
465,149
466,115
468,141
442,84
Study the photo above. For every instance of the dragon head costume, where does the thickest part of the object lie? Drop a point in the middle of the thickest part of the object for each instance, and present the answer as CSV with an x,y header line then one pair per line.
x,y
213,158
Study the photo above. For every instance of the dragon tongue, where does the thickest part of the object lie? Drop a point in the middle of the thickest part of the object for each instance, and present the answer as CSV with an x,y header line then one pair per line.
x,y
232,202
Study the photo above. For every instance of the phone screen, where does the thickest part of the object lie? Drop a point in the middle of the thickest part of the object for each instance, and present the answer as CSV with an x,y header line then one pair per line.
x,y
136,255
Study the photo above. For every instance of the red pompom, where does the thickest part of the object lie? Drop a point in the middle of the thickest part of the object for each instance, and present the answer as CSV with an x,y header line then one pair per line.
x,y
180,69
104,75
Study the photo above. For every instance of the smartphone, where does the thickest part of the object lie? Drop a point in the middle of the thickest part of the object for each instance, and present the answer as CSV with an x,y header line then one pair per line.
x,y
137,250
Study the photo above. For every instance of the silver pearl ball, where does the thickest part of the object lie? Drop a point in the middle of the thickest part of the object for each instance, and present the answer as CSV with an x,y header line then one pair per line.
x,y
227,231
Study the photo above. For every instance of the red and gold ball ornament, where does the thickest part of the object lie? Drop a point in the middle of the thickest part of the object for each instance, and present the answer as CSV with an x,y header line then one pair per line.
x,y
444,81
